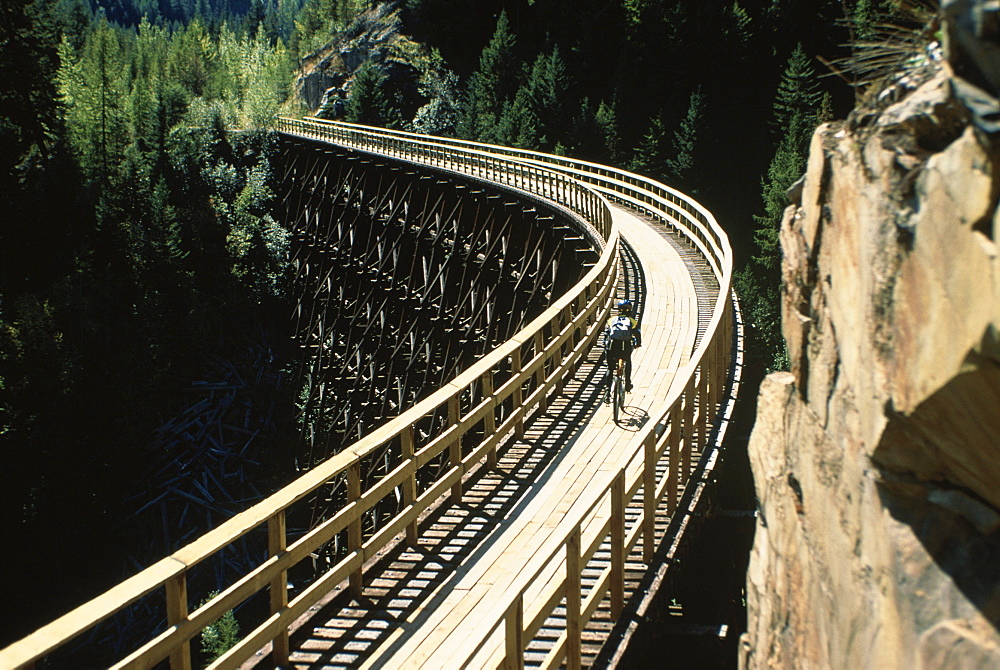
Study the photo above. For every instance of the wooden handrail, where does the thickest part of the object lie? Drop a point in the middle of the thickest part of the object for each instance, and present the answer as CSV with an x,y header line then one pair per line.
x,y
568,340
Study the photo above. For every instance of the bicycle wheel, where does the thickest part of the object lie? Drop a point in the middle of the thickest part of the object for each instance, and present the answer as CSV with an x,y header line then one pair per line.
x,y
617,396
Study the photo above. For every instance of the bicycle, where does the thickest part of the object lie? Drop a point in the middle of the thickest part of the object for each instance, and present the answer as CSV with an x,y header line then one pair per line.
x,y
617,389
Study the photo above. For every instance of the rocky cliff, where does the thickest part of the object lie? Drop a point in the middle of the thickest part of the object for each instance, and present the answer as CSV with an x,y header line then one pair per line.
x,y
325,76
876,460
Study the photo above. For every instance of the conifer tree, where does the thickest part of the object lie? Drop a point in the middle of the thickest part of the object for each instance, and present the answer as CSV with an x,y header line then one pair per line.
x,y
607,119
649,158
94,91
679,167
547,93
518,125
492,86
371,100
798,109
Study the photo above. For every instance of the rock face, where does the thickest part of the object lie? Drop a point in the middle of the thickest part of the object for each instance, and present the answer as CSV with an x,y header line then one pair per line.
x,y
876,460
375,35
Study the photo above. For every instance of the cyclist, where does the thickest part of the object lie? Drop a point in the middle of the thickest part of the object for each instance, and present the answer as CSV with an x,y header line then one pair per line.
x,y
621,336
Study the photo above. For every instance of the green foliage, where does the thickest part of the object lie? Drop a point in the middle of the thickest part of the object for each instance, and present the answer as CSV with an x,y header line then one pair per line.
x,y
518,125
94,91
679,167
140,185
863,18
492,87
798,108
439,86
607,121
318,20
221,635
372,100
742,21
650,156
547,96
797,101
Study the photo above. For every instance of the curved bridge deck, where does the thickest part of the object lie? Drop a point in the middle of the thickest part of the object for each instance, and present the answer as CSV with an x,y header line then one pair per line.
x,y
422,604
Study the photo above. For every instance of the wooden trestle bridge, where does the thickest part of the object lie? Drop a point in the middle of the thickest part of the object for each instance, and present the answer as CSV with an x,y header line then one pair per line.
x,y
486,511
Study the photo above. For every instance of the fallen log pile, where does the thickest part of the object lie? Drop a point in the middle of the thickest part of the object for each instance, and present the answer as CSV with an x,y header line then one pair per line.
x,y
204,467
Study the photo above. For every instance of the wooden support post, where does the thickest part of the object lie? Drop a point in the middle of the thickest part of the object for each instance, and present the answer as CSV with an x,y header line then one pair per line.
x,y
704,405
177,612
617,586
573,597
649,497
518,394
277,539
720,367
410,482
514,635
354,529
490,422
455,450
540,375
687,441
673,458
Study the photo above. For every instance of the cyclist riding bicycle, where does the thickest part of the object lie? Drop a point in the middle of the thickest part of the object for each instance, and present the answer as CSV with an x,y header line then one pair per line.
x,y
621,336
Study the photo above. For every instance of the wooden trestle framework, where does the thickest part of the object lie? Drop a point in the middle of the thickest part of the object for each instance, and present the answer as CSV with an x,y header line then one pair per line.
x,y
401,280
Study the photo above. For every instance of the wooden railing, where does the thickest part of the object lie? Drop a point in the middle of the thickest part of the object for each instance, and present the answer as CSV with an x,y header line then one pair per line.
x,y
495,396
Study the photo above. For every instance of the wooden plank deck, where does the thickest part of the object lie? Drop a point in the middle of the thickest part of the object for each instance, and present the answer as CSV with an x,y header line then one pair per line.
x,y
422,604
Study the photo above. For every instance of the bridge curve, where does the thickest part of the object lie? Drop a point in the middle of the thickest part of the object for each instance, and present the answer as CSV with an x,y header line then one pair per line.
x,y
686,398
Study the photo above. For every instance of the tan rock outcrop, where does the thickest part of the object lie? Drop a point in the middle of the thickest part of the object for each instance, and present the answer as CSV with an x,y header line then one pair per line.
x,y
876,460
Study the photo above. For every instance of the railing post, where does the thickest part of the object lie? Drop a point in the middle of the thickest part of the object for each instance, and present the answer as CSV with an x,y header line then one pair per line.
x,y
649,497
573,597
455,449
539,342
514,635
673,461
557,325
490,422
686,438
410,482
354,528
704,411
719,367
518,394
277,539
617,585
177,612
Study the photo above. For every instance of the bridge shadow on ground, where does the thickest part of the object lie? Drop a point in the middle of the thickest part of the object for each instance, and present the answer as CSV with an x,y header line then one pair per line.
x,y
411,581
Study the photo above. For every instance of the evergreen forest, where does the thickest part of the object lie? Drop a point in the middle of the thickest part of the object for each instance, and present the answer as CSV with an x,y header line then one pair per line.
x,y
139,254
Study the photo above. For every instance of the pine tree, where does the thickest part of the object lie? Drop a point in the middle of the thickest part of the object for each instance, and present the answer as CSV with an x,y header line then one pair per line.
x,y
797,101
371,100
94,90
798,109
607,120
547,93
680,166
649,158
492,86
518,125
863,19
